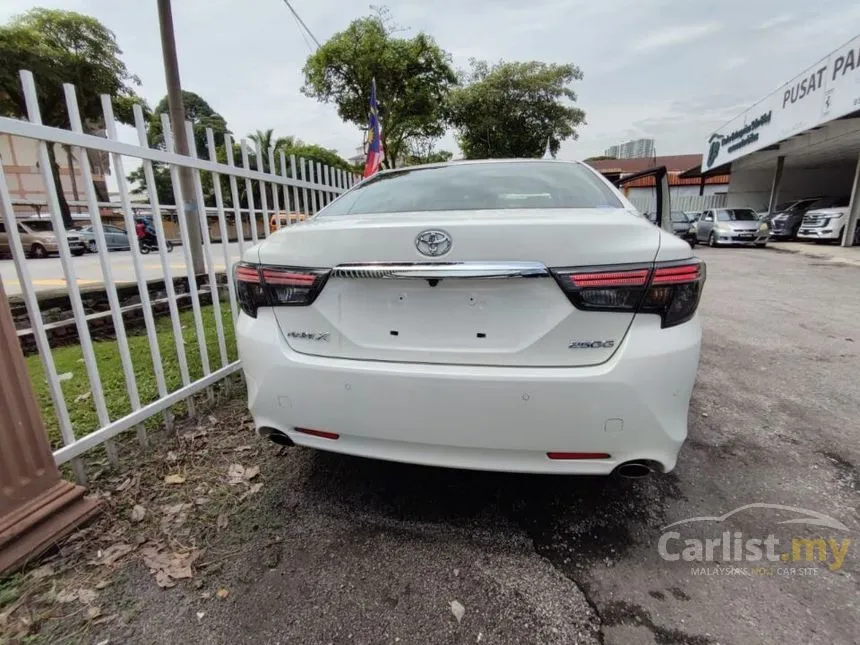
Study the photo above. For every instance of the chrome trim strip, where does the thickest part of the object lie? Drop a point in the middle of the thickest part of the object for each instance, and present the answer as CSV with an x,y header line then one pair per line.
x,y
442,270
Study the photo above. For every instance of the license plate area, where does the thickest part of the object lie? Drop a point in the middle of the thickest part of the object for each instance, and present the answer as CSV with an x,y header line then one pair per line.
x,y
453,315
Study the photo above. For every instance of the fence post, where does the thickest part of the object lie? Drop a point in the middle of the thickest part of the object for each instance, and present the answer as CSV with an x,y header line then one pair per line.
x,y
37,507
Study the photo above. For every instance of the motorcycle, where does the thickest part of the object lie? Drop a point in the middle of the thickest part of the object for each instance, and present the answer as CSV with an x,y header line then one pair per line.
x,y
147,245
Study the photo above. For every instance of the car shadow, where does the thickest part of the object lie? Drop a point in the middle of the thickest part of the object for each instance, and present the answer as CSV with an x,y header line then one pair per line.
x,y
591,515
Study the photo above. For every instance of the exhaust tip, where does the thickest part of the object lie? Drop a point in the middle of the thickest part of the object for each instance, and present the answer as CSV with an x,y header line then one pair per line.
x,y
634,470
275,436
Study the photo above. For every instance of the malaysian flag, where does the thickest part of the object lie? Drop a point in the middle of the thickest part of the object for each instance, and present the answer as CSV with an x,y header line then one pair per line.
x,y
375,153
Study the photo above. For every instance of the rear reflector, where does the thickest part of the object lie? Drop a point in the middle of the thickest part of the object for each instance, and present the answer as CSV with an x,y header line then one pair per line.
x,y
577,455
318,433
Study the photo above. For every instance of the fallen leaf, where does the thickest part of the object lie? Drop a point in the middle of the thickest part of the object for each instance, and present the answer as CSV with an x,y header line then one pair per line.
x,y
138,513
163,580
102,584
236,474
251,491
251,472
65,376
114,553
125,484
83,397
67,595
174,479
172,456
200,501
222,521
173,509
222,593
243,448
44,571
169,566
93,612
458,610
86,596
200,615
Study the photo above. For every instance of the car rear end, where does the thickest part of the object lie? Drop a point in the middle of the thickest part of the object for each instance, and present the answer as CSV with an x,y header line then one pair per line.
x,y
508,325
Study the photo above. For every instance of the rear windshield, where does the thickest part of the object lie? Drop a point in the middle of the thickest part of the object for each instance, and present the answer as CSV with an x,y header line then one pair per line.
x,y
475,187
737,215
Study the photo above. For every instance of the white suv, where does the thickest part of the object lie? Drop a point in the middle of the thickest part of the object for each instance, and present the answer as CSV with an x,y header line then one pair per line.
x,y
826,224
505,315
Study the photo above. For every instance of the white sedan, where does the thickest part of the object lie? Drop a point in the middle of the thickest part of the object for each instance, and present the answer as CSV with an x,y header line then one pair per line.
x,y
493,315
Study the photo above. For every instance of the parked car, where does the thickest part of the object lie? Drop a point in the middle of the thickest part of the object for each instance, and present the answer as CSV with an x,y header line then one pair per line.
x,y
731,226
513,315
693,216
785,221
790,206
116,238
827,224
684,227
295,218
38,239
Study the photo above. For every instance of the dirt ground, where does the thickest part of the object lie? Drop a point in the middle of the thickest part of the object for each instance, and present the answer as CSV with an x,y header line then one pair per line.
x,y
218,537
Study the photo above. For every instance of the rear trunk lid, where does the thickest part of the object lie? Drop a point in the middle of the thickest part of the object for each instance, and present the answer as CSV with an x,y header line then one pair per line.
x,y
421,312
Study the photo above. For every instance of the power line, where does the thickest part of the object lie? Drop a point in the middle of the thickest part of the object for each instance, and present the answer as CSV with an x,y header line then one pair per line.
x,y
302,23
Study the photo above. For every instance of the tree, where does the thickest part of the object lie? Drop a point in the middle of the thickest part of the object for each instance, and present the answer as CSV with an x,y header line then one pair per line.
x,y
202,116
64,47
423,150
413,79
509,109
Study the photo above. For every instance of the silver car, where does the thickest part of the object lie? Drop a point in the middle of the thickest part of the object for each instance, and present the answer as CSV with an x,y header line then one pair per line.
x,y
116,238
719,226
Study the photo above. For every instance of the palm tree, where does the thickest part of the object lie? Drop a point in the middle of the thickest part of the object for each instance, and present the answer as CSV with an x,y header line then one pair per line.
x,y
263,138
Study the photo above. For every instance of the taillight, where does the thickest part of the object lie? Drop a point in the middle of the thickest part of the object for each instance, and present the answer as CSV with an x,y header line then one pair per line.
x,y
276,286
669,289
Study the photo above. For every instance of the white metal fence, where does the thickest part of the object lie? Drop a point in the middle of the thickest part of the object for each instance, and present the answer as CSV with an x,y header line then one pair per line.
x,y
305,188
685,203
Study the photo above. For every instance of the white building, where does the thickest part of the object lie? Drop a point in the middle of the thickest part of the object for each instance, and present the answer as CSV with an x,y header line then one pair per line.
x,y
802,140
636,149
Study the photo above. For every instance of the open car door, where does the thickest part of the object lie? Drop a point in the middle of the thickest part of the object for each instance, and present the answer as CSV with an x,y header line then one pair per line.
x,y
661,185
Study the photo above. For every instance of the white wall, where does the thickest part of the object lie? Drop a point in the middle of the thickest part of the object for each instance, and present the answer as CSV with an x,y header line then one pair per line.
x,y
751,188
641,193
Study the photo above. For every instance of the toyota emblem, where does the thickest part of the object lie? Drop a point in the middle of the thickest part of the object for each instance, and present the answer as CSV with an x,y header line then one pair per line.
x,y
433,243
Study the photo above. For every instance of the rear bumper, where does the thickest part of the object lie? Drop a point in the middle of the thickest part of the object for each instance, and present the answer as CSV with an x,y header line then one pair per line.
x,y
634,406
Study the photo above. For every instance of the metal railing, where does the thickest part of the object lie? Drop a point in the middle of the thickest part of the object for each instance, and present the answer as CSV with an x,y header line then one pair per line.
x,y
307,188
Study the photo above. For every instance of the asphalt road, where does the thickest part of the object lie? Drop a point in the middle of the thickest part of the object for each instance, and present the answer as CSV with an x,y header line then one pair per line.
x,y
47,274
373,552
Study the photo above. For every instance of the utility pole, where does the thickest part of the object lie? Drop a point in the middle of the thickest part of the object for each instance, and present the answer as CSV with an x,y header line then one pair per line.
x,y
180,139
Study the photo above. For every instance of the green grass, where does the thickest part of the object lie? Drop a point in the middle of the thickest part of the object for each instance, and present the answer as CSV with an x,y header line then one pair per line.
x,y
69,359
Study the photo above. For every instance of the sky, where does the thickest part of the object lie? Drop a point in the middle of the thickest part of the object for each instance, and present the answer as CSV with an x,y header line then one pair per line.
x,y
672,70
